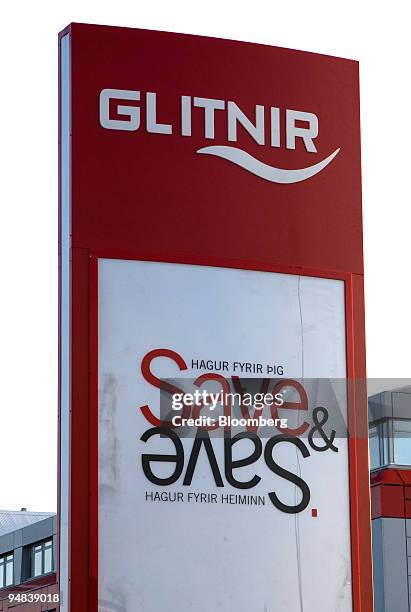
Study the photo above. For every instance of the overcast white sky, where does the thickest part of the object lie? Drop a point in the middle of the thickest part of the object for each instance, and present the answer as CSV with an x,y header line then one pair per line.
x,y
380,39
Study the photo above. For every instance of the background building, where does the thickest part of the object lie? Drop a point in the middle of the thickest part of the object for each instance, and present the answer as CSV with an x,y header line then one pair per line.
x,y
390,456
28,545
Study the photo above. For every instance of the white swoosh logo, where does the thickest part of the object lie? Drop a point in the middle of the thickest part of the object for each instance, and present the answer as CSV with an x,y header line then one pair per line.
x,y
265,171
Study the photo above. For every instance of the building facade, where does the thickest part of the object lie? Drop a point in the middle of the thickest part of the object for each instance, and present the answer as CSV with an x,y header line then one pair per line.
x,y
390,456
28,552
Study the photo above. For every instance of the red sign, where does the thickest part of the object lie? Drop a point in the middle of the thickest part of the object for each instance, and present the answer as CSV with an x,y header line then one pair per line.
x,y
193,150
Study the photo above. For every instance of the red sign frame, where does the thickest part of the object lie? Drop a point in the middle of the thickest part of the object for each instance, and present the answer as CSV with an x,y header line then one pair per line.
x,y
322,214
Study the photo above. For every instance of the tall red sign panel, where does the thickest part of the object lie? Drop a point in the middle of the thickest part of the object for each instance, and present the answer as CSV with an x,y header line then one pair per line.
x,y
184,157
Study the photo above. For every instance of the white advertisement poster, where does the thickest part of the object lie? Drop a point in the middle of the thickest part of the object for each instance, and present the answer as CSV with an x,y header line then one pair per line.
x,y
193,525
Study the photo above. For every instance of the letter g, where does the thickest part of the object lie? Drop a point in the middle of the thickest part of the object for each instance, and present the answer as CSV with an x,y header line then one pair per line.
x,y
132,112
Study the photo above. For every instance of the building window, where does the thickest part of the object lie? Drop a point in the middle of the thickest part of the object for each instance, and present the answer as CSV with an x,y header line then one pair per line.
x,y
379,444
390,443
6,570
402,442
374,442
42,558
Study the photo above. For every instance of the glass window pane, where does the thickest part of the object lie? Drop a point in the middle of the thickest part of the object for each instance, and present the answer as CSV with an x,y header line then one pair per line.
x,y
402,426
1,577
374,444
38,556
9,573
402,442
384,432
48,556
402,450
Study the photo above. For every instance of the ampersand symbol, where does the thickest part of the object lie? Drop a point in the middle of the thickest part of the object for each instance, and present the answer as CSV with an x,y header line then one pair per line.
x,y
319,422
